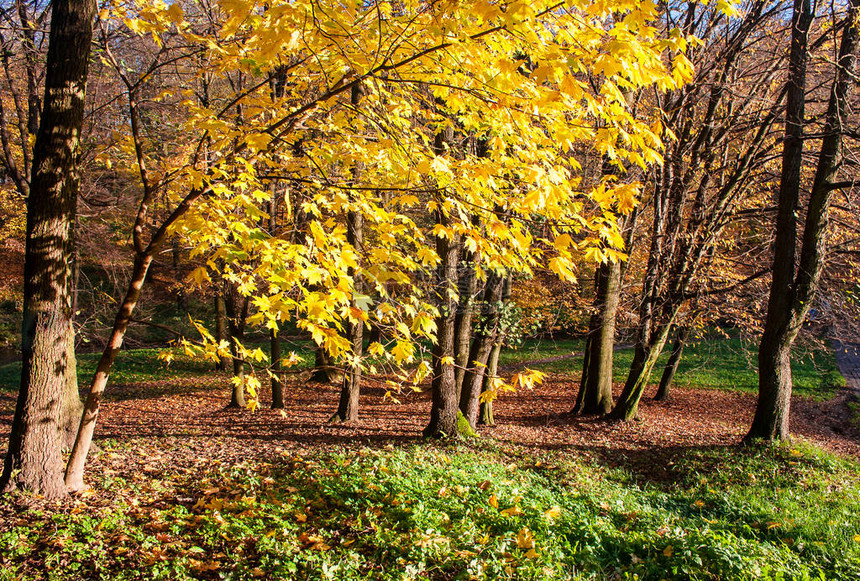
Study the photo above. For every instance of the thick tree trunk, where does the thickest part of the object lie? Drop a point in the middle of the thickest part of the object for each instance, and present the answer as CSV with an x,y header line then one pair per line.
x,y
443,413
597,367
71,405
792,294
34,460
672,364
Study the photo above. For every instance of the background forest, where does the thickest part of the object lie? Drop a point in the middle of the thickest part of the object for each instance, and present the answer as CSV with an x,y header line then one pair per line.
x,y
469,289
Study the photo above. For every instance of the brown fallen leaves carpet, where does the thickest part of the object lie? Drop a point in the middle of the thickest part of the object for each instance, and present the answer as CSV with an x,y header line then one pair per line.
x,y
191,413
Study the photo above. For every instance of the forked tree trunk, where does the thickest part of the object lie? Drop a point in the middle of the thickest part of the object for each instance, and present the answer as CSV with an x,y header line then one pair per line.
x,y
482,346
467,287
645,357
672,364
34,459
792,291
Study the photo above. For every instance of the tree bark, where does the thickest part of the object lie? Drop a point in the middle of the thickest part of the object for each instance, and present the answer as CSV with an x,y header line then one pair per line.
x,y
237,313
347,408
34,460
672,364
793,290
482,346
596,388
220,326
443,413
486,414
277,382
467,287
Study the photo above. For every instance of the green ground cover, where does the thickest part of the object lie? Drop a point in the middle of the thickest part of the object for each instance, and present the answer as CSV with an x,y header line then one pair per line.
x,y
458,512
716,363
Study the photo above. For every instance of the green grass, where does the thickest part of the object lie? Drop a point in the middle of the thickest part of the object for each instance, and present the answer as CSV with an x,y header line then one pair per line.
x,y
458,513
141,365
716,363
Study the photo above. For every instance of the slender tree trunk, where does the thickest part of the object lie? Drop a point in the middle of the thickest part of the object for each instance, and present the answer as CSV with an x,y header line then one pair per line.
x,y
792,293
467,287
220,326
347,408
672,364
34,460
486,414
237,312
482,346
75,467
277,382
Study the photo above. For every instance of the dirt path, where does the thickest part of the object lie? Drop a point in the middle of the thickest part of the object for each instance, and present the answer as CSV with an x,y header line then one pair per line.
x,y
848,360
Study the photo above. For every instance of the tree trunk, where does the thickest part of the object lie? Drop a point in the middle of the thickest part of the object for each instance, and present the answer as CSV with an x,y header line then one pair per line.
x,y
443,413
672,364
347,408
466,288
237,313
486,415
277,383
34,460
479,353
324,368
644,359
220,327
597,366
792,294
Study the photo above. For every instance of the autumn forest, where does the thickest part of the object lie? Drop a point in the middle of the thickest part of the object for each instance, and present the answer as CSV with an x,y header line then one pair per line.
x,y
448,289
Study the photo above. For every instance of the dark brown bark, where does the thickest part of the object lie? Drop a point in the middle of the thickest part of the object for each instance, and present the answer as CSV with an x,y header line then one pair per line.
x,y
595,395
34,460
793,289
277,382
467,287
237,314
482,345
220,326
443,412
672,364
347,408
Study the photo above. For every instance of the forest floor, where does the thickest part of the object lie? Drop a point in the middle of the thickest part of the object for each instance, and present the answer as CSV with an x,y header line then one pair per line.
x,y
172,454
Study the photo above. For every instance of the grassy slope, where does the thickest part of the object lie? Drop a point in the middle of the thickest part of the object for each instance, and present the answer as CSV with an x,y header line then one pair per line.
x,y
460,513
